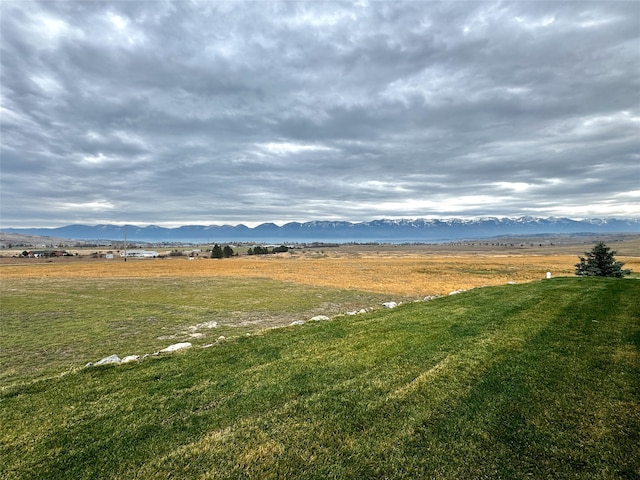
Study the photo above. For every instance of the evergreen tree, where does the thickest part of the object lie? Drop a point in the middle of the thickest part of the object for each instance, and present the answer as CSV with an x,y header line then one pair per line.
x,y
600,262
216,251
227,251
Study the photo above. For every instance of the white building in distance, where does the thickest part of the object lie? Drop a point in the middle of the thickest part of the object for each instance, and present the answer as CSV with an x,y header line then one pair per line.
x,y
139,254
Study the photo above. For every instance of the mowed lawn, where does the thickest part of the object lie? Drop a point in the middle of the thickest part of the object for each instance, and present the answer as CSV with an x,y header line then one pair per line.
x,y
539,380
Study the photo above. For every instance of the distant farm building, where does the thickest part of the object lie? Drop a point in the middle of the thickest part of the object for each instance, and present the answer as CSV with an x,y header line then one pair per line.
x,y
46,253
139,254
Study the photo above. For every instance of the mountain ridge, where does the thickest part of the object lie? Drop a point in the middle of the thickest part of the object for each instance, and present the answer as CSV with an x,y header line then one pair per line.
x,y
418,230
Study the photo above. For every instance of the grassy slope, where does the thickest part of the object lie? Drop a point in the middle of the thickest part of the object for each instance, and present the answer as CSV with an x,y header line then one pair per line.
x,y
53,325
537,380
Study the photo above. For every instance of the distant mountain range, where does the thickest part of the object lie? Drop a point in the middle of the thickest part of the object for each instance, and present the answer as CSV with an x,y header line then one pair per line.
x,y
383,231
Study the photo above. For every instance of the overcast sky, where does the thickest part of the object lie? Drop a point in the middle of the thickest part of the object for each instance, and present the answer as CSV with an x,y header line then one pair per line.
x,y
184,112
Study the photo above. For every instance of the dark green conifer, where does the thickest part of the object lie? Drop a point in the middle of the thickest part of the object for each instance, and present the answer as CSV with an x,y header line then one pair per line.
x,y
216,251
600,262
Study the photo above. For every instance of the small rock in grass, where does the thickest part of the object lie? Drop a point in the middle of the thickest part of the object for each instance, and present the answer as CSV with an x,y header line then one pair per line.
x,y
297,322
319,318
390,304
221,338
108,360
130,358
175,347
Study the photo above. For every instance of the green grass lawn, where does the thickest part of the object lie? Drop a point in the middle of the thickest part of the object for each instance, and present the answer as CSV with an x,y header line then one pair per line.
x,y
49,326
520,381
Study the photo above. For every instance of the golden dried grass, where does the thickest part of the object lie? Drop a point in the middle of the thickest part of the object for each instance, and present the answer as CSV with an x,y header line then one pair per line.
x,y
410,275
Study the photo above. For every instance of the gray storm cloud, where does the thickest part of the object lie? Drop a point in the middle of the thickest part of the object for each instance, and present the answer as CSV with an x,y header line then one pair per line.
x,y
246,112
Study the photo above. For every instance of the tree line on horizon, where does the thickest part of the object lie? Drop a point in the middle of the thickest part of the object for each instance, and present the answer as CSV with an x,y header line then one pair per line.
x,y
226,252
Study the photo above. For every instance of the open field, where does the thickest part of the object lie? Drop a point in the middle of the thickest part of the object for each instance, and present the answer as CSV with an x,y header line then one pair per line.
x,y
535,380
53,309
517,381
392,271
403,275
51,325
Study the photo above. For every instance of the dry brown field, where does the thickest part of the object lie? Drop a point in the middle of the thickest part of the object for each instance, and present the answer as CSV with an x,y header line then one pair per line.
x,y
410,271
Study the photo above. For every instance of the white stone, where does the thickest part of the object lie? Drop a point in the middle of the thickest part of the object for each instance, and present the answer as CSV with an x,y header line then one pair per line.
x,y
318,318
297,322
390,304
221,338
110,359
176,346
130,358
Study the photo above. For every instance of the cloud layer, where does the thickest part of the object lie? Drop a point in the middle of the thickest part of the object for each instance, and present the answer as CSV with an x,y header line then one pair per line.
x,y
208,112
